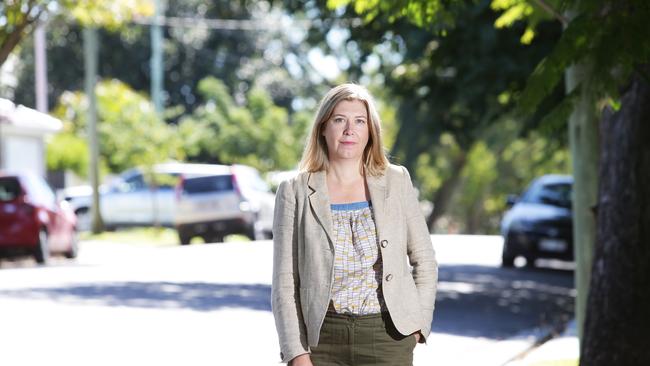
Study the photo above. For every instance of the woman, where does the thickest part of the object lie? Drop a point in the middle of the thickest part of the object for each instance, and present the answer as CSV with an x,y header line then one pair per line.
x,y
343,293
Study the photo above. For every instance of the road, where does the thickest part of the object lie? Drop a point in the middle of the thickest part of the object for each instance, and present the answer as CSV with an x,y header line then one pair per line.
x,y
209,305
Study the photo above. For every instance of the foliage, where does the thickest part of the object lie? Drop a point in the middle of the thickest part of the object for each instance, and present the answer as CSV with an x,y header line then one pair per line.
x,y
502,163
68,151
18,17
610,35
240,58
130,132
257,133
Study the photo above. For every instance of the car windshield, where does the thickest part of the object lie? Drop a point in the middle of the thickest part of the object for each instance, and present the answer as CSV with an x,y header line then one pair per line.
x,y
555,194
213,183
9,189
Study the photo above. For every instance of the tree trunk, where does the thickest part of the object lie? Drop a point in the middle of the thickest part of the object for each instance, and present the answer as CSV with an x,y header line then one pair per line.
x,y
617,325
12,41
443,195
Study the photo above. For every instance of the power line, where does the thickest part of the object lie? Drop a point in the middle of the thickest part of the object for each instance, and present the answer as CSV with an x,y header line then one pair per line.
x,y
222,24
234,24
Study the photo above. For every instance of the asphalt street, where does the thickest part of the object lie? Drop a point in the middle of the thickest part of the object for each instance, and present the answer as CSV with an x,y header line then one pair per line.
x,y
210,305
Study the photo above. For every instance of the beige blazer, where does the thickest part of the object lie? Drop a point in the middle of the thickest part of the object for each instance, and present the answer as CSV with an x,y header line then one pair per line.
x,y
303,257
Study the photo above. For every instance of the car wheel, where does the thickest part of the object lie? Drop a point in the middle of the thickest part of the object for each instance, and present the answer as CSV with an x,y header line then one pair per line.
x,y
74,247
185,238
42,253
83,219
507,259
530,261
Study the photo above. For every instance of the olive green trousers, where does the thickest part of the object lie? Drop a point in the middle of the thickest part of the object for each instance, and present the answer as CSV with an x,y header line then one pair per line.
x,y
362,340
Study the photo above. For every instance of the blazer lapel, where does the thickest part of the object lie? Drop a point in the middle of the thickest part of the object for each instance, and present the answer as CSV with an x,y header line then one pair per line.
x,y
320,203
379,198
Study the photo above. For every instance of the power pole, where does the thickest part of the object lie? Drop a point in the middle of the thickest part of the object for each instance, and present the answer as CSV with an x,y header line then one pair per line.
x,y
583,140
90,61
40,67
157,57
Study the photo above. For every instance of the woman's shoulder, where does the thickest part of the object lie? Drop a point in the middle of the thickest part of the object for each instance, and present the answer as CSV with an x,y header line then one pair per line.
x,y
397,171
296,181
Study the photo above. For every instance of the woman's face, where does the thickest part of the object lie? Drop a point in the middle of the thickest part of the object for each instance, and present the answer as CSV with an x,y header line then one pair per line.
x,y
346,132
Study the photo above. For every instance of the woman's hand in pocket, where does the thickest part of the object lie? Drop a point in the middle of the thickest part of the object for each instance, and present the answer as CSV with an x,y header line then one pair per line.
x,y
302,360
417,336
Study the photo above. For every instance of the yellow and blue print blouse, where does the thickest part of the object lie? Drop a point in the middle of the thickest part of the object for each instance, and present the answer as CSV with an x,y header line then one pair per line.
x,y
357,260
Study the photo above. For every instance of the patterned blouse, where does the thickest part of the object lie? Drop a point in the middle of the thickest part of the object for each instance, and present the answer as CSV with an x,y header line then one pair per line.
x,y
357,260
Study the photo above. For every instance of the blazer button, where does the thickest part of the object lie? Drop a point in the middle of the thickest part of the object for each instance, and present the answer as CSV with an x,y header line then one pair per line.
x,y
389,277
384,243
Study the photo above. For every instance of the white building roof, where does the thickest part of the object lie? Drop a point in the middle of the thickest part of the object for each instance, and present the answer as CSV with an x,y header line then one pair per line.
x,y
27,118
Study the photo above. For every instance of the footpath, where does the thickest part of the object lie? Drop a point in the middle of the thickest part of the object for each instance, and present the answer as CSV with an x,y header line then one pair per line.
x,y
559,351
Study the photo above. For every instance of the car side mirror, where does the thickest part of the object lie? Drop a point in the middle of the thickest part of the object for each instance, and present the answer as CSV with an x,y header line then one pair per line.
x,y
511,200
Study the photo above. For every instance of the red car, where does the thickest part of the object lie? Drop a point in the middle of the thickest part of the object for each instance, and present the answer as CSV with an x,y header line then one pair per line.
x,y
32,221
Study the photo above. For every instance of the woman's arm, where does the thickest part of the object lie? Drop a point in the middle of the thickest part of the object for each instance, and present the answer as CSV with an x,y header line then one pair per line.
x,y
285,296
421,255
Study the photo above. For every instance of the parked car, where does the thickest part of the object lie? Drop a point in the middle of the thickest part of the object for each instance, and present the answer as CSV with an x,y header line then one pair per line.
x,y
539,224
131,199
206,200
224,200
32,221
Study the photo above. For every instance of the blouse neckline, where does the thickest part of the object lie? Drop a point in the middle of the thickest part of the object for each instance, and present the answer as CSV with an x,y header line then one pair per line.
x,y
350,206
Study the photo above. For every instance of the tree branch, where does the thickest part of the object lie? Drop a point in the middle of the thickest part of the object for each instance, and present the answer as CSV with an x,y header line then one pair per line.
x,y
548,8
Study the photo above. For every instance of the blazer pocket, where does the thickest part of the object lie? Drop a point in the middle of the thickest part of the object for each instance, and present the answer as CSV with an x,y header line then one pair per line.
x,y
412,299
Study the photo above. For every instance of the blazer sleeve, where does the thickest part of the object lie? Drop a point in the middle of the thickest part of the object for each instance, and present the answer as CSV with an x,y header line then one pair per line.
x,y
285,296
421,254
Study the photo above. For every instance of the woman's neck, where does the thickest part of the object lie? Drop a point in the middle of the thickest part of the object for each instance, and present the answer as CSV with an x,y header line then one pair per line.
x,y
346,183
344,171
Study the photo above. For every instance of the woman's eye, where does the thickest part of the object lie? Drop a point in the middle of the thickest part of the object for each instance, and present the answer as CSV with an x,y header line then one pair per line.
x,y
361,121
338,119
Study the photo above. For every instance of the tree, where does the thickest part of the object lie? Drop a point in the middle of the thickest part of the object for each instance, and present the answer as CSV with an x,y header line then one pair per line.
x,y
456,86
256,133
241,58
616,318
20,16
130,132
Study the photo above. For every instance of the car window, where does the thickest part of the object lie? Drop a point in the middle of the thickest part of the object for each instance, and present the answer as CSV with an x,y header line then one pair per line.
x,y
9,189
40,191
134,183
249,179
166,180
213,183
556,194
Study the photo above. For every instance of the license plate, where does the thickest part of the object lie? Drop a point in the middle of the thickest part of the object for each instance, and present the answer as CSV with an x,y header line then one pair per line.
x,y
209,205
553,245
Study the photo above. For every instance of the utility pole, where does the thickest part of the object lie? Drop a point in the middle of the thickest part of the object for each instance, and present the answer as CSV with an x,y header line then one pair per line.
x,y
157,85
157,57
90,61
583,141
40,67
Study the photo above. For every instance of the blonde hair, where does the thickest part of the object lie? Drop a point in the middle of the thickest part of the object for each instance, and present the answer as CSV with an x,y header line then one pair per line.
x,y
315,156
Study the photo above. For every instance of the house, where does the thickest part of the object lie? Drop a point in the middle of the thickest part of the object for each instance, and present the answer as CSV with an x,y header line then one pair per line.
x,y
22,137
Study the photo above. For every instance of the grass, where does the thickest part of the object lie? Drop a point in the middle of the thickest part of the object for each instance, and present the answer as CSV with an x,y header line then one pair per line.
x,y
147,236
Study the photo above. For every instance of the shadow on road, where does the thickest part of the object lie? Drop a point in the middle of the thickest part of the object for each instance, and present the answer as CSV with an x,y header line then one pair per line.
x,y
472,301
493,302
162,295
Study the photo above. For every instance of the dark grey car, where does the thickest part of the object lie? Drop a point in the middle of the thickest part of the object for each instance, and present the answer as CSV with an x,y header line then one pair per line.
x,y
539,224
